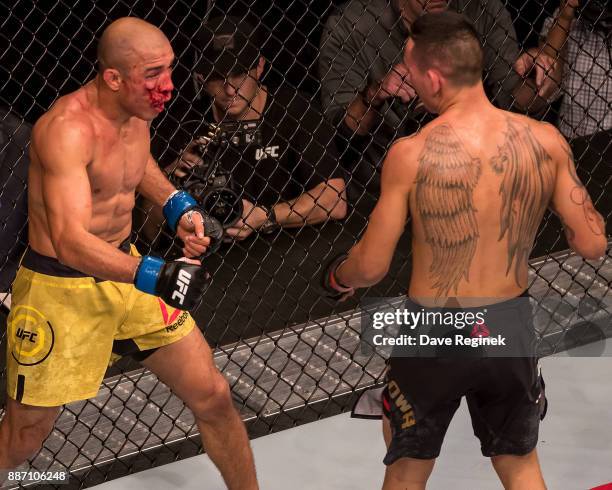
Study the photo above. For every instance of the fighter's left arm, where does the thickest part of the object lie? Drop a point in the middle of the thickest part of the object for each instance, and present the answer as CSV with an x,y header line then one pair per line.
x,y
369,260
156,188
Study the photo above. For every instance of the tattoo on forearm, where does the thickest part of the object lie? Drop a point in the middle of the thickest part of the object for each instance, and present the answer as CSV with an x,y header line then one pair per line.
x,y
445,181
528,179
594,220
580,196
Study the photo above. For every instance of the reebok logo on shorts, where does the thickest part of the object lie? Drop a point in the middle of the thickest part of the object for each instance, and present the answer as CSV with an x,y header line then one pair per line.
x,y
172,320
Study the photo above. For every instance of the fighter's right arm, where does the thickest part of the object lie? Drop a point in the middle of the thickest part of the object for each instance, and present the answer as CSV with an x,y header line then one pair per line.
x,y
65,149
369,260
584,226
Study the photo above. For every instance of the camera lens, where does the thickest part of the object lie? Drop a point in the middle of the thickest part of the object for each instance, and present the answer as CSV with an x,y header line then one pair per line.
x,y
224,205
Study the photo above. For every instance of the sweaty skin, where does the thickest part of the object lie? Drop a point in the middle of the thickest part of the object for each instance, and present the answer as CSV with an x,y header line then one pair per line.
x,y
476,182
115,167
488,198
91,152
476,185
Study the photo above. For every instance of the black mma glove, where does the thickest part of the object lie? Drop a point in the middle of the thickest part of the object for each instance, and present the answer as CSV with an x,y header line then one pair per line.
x,y
178,283
212,229
181,202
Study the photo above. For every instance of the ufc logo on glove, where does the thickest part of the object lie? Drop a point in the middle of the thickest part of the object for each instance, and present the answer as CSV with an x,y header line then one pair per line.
x,y
182,282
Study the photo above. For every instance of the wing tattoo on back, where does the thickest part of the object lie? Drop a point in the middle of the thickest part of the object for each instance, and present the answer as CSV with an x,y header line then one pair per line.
x,y
445,181
528,177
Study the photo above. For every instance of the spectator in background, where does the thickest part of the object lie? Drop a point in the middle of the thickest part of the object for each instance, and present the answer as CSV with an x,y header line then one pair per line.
x,y
579,35
364,86
286,169
14,163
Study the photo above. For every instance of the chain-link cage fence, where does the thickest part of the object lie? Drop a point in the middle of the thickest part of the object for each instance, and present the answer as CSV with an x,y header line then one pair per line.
x,y
291,355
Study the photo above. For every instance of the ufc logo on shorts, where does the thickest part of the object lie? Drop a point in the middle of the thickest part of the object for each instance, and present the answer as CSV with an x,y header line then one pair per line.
x,y
24,334
182,283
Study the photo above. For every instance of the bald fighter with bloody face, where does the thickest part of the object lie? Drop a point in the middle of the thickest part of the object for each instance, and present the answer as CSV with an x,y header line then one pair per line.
x,y
83,293
118,53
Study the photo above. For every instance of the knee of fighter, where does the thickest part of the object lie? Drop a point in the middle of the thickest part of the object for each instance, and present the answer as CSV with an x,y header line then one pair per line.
x,y
214,400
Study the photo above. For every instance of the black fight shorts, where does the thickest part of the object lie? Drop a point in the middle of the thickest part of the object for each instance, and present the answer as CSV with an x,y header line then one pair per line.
x,y
505,397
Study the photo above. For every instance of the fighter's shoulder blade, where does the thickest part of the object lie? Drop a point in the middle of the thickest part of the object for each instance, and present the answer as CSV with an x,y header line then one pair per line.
x,y
549,136
544,131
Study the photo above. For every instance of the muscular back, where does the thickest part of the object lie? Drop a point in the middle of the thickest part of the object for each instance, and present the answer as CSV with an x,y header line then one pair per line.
x,y
84,173
478,188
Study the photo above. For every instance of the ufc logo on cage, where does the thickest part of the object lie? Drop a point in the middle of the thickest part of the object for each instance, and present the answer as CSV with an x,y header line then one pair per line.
x,y
182,282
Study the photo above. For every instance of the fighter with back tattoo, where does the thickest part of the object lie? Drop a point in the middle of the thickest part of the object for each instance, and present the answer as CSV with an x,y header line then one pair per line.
x,y
476,182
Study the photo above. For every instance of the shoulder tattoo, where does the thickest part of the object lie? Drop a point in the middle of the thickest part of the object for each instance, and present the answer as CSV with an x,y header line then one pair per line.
x,y
527,172
446,177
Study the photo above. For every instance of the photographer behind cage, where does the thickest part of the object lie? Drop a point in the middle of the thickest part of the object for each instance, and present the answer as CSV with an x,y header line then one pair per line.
x,y
270,148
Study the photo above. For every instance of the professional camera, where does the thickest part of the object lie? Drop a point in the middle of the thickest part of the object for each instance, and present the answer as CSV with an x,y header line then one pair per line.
x,y
215,194
236,133
213,187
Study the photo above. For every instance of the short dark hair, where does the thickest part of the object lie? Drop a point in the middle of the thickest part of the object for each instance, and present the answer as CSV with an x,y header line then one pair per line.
x,y
449,42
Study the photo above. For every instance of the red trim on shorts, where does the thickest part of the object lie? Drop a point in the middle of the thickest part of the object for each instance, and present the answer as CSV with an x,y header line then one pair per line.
x,y
385,402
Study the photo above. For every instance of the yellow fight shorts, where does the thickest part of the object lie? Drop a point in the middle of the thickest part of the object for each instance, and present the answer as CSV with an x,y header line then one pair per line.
x,y
64,327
